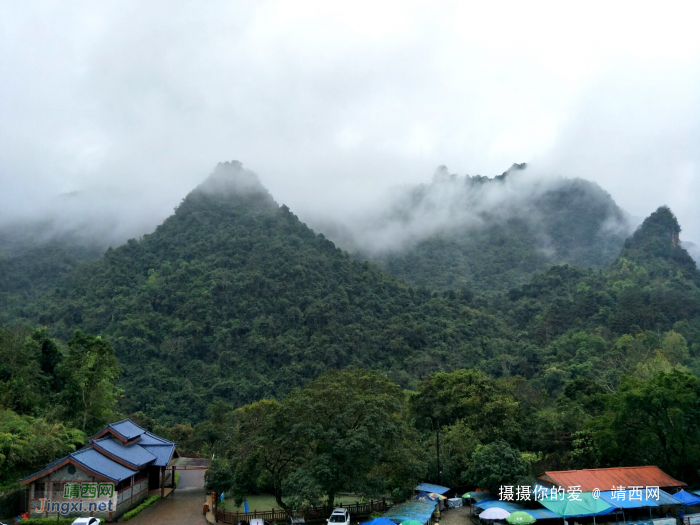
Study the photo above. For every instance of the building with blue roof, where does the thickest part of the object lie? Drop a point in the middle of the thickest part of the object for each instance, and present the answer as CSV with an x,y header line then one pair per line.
x,y
121,464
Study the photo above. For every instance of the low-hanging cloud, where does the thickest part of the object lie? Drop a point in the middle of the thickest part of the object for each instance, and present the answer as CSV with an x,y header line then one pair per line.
x,y
114,111
452,205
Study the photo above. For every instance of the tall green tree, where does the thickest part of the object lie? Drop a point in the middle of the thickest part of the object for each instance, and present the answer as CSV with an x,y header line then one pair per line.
x,y
263,452
495,465
349,421
20,371
89,372
654,421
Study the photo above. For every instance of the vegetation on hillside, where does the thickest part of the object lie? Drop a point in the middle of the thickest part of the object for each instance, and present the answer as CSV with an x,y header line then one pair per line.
x,y
241,332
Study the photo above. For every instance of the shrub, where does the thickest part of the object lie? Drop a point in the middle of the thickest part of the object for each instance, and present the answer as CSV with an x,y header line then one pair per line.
x,y
144,505
47,521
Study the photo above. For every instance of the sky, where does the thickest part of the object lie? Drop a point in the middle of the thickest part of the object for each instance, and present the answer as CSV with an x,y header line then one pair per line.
x,y
332,103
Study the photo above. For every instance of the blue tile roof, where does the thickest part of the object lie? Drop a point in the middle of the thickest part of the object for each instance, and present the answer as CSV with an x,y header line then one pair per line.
x,y
163,453
127,428
132,454
101,464
148,450
151,439
428,487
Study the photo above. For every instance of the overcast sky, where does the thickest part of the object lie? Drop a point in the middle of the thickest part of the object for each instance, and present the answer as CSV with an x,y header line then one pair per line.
x,y
331,103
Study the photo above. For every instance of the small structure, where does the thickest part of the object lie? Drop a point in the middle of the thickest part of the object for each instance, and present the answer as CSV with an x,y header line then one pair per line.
x,y
106,478
411,510
610,478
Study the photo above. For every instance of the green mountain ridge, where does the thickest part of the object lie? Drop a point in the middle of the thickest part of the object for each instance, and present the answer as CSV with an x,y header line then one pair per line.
x,y
234,299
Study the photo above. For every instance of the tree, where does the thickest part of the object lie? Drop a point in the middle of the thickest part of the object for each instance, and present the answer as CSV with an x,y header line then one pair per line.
x,y
653,421
219,476
27,444
89,371
51,358
674,347
20,372
348,422
262,451
496,465
469,395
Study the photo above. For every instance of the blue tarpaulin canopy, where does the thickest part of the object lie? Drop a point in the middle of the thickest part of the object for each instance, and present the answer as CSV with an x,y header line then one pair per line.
x,y
429,487
628,499
541,514
411,510
687,498
505,505
666,499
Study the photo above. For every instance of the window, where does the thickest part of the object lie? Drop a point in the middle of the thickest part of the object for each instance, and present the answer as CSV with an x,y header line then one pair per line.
x,y
124,484
39,490
57,489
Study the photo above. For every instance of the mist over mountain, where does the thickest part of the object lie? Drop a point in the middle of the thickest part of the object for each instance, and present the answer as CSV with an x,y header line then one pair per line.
x,y
233,299
239,299
485,233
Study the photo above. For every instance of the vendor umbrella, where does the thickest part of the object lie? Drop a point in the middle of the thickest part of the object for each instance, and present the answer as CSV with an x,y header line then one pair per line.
x,y
411,522
435,495
494,513
478,496
379,521
520,518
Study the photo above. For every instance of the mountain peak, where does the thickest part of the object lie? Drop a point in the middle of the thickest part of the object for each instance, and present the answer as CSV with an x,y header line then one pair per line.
x,y
658,238
231,178
233,185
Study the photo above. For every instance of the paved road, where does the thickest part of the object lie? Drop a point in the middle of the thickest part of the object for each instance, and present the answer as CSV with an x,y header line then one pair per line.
x,y
182,507
458,516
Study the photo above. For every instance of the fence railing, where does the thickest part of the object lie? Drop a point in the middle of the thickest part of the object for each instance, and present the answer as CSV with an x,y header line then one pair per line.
x,y
310,515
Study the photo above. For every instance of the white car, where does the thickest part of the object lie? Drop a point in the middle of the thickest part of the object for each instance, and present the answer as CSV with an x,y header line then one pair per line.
x,y
87,521
339,517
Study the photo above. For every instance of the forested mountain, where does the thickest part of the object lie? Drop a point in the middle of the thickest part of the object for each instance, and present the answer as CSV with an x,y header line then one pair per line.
x,y
233,300
488,234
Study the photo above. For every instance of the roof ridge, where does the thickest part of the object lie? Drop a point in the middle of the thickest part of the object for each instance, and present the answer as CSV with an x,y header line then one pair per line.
x,y
130,421
602,468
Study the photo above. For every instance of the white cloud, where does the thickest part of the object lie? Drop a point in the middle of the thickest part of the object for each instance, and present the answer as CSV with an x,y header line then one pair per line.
x,y
333,102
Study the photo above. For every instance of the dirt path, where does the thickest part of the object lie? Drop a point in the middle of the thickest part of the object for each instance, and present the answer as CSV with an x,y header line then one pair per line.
x,y
182,507
458,516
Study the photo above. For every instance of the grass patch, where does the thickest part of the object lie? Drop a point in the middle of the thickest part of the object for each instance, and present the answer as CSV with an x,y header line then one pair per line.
x,y
143,506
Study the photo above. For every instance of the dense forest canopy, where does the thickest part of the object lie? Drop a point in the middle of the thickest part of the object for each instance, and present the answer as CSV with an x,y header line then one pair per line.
x,y
234,318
